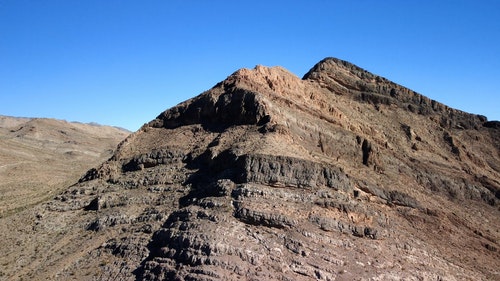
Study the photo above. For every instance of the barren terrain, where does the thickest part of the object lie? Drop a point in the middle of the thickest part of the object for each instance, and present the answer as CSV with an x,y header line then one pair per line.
x,y
39,157
340,175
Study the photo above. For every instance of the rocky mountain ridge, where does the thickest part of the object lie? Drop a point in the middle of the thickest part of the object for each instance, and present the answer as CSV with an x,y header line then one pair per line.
x,y
341,175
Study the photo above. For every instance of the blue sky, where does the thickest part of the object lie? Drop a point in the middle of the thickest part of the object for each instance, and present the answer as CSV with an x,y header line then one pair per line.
x,y
122,62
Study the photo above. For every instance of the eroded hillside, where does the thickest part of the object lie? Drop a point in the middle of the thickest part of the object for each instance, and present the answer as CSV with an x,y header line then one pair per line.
x,y
38,157
341,175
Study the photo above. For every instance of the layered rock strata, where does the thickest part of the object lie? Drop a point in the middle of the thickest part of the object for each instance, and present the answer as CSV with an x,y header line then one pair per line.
x,y
341,175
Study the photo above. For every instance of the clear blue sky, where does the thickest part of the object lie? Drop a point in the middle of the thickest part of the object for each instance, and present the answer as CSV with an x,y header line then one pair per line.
x,y
121,63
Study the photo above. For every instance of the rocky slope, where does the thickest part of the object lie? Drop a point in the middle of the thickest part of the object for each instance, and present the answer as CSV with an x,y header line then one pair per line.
x,y
341,175
39,158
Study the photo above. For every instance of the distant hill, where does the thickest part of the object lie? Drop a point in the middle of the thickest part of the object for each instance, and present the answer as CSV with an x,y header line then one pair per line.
x,y
340,175
39,156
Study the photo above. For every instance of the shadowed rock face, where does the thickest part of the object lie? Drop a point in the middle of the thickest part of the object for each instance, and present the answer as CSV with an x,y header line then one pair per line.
x,y
341,175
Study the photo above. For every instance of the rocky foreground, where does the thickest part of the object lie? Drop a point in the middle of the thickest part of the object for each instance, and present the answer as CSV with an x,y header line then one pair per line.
x,y
341,175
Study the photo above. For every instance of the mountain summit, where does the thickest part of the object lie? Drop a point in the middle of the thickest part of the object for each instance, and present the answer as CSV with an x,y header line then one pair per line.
x,y
341,175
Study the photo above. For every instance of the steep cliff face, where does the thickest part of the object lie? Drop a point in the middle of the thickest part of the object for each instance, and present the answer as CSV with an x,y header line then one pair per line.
x,y
341,175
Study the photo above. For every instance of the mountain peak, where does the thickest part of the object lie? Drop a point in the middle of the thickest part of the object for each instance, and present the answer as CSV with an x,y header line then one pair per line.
x,y
239,99
264,80
344,78
332,65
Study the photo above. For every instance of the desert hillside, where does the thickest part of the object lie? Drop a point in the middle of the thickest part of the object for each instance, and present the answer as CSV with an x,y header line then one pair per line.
x,y
39,157
339,175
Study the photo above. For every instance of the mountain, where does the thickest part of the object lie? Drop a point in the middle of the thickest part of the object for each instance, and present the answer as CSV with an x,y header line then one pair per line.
x,y
340,175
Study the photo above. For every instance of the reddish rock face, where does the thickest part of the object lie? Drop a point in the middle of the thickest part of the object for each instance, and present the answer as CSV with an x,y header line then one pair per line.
x,y
341,175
